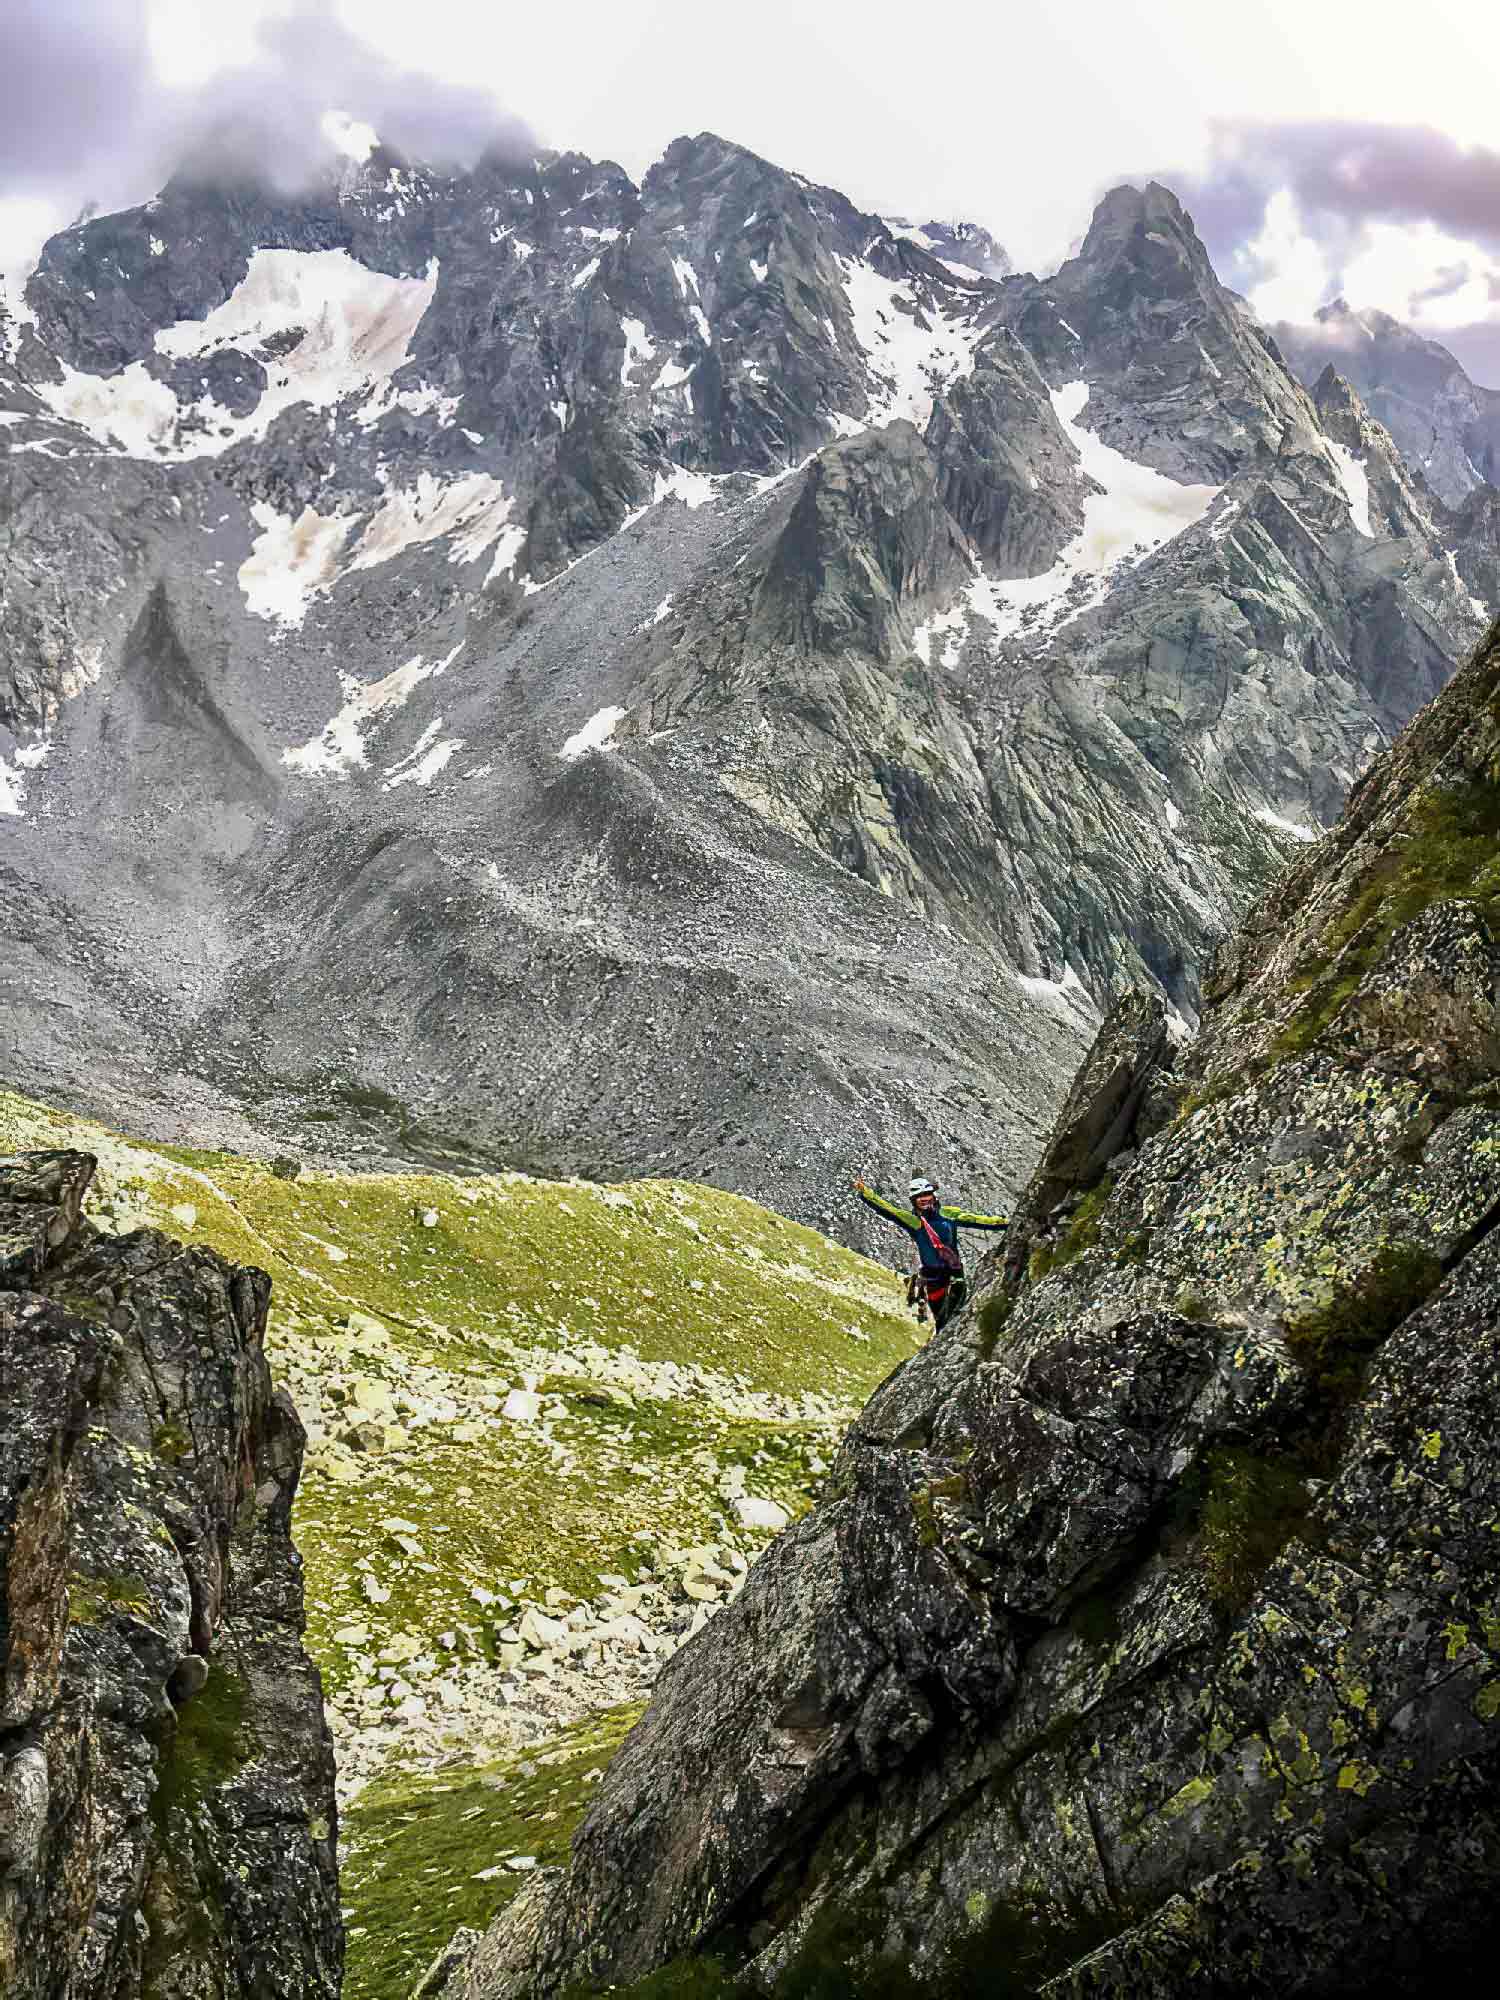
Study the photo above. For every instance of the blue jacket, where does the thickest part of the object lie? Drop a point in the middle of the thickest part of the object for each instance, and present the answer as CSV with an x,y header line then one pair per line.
x,y
946,1223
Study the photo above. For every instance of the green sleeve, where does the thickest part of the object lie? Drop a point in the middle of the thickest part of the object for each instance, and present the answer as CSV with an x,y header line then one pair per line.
x,y
902,1217
966,1220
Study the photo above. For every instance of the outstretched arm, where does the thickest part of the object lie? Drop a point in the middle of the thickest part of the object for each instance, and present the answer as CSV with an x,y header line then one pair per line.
x,y
902,1217
966,1220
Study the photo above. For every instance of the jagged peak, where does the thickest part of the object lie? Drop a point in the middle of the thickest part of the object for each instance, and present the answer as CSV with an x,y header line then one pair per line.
x,y
1331,389
1128,218
708,151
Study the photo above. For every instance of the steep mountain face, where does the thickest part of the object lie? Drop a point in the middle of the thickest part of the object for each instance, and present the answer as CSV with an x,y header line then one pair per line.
x,y
1145,1641
167,1821
526,668
1443,424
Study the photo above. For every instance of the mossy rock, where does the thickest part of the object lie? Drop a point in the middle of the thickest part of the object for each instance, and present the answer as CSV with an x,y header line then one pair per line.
x,y
1449,852
1254,1504
209,1743
1333,1340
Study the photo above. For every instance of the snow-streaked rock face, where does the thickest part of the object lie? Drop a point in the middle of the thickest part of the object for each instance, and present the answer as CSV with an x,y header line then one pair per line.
x,y
730,629
1446,427
309,326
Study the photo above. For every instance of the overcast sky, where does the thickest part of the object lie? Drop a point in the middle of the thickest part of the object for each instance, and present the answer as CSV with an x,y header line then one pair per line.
x,y
1322,145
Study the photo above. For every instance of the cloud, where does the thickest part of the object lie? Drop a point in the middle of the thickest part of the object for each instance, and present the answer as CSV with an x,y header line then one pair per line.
x,y
1395,216
85,117
1345,174
266,118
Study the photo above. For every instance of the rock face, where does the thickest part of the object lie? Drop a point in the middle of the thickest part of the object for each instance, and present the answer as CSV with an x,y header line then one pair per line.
x,y
1445,425
765,662
166,1779
1147,1642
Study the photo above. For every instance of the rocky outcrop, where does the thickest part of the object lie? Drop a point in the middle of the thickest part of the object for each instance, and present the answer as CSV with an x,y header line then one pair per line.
x,y
167,1823
1146,1641
1123,1094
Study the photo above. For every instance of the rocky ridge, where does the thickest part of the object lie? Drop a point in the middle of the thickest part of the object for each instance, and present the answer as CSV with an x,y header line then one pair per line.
x,y
167,1819
1146,1636
698,634
1444,424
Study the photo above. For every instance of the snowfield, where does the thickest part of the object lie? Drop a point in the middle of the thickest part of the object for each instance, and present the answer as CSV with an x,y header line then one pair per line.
x,y
912,350
356,327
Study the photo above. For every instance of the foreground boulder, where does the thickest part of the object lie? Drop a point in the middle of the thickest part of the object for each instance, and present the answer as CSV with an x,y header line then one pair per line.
x,y
1148,1641
166,1779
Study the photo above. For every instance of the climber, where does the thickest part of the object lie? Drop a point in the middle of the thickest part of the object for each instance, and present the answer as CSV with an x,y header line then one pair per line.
x,y
934,1229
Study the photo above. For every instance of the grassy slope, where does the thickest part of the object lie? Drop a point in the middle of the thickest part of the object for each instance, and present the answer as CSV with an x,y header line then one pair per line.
x,y
775,1335
430,1854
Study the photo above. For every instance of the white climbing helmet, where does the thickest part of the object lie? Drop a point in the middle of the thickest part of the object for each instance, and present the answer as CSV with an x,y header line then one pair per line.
x,y
921,1185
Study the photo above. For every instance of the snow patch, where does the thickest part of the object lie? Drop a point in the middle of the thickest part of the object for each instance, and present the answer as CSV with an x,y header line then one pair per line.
x,y
473,510
1268,818
585,274
1223,521
423,763
1068,992
663,610
290,561
1138,511
512,540
423,402
760,271
339,746
293,561
26,757
1068,329
1355,481
687,284
639,350
1476,604
950,627
594,734
692,488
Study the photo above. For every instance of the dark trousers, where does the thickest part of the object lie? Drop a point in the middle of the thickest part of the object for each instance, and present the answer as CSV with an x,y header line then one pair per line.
x,y
945,1295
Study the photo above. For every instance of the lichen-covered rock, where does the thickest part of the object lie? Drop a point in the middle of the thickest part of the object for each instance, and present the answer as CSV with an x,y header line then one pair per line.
x,y
1148,1640
166,1779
